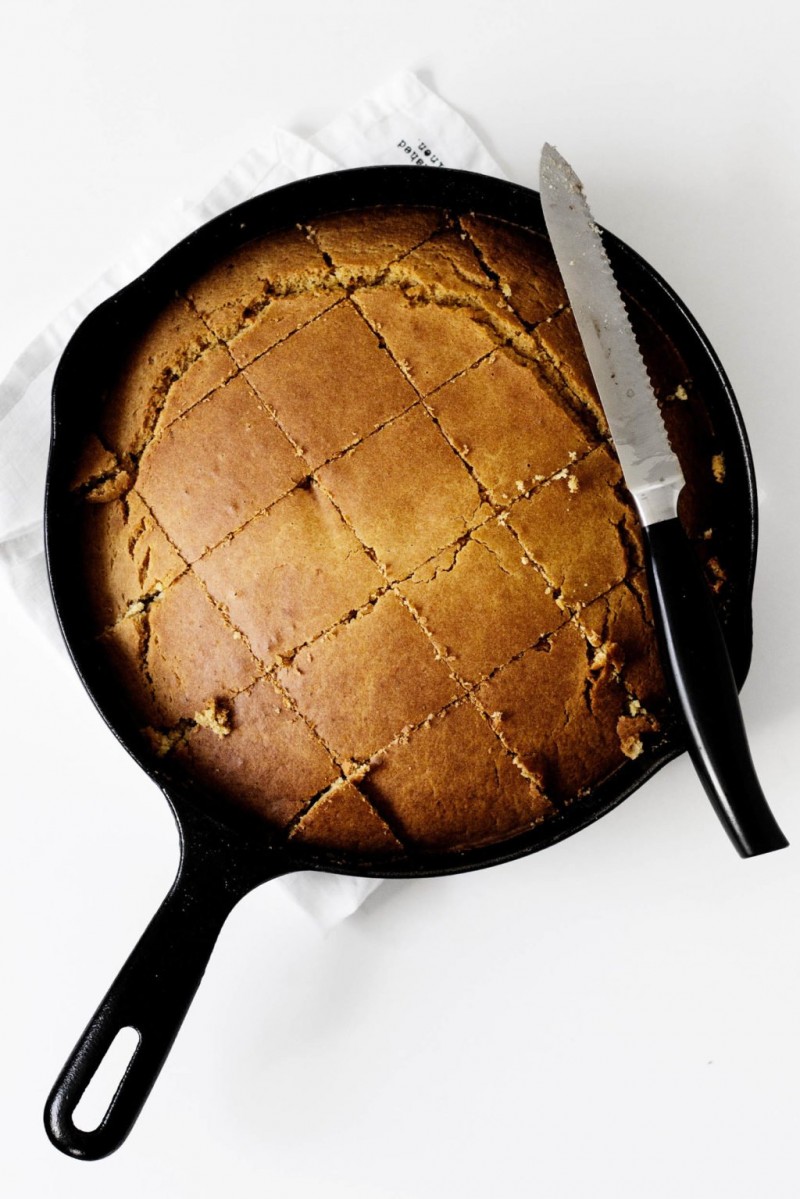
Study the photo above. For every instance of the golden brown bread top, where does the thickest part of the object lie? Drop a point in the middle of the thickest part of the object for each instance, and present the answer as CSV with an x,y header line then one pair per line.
x,y
292,573
335,357
477,409
201,481
358,547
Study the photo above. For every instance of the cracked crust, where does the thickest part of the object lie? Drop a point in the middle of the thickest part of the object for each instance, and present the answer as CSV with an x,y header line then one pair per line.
x,y
356,544
353,684
620,623
404,493
580,530
165,352
481,797
559,338
234,292
128,555
280,317
477,408
521,262
360,246
191,654
270,761
214,470
342,820
289,575
482,602
558,711
330,385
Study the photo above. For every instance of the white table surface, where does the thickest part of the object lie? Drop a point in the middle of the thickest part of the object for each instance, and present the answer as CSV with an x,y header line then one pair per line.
x,y
615,1017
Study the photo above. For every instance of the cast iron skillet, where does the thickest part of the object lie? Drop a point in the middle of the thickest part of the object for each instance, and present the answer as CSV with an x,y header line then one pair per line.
x,y
224,854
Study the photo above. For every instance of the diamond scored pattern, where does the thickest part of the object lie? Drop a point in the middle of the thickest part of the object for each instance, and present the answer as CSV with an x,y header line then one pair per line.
x,y
358,504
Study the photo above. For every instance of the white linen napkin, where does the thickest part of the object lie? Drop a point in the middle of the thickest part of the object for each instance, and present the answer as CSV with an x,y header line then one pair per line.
x,y
401,122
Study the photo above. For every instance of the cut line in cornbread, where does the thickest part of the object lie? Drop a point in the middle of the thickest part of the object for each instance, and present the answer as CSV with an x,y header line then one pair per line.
x,y
355,546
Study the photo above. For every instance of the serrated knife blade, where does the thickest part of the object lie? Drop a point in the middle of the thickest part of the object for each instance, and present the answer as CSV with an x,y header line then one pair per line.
x,y
652,471
691,642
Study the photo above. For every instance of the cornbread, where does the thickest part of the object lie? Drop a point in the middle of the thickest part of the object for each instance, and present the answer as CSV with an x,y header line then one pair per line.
x,y
356,545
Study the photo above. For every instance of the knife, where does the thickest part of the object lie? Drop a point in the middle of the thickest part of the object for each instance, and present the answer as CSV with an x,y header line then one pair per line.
x,y
692,646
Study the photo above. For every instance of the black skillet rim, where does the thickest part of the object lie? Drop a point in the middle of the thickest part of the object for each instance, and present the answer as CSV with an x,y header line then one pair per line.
x,y
103,332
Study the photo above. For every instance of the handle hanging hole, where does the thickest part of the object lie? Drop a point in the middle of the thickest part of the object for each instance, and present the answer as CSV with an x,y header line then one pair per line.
x,y
95,1101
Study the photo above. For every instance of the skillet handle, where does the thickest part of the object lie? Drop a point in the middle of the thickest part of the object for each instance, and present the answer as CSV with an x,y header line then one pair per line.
x,y
152,994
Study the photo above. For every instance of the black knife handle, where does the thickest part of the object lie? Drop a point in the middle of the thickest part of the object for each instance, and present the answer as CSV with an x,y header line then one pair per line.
x,y
700,678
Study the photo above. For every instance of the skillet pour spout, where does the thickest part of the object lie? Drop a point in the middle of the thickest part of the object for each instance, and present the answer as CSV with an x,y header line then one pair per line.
x,y
223,854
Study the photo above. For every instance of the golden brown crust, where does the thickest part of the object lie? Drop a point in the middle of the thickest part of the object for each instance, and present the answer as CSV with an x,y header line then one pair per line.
x,y
444,266
270,762
343,821
482,602
523,264
405,493
620,624
290,574
95,464
480,797
165,352
561,341
123,647
192,654
280,317
368,680
578,528
558,714
216,468
204,375
429,342
235,290
127,555
477,409
361,246
331,384
357,546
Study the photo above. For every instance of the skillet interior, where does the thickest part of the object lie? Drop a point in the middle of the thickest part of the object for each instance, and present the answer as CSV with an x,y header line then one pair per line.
x,y
98,347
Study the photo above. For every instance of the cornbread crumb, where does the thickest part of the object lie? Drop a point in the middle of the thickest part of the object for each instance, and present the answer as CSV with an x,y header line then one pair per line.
x,y
718,577
216,716
111,487
162,741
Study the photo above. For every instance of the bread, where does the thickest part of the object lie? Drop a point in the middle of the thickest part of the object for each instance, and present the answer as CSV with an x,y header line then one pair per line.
x,y
356,544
